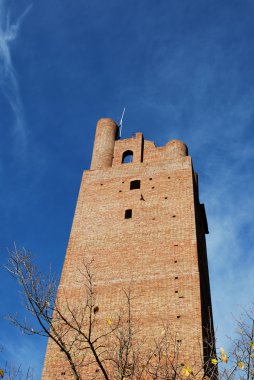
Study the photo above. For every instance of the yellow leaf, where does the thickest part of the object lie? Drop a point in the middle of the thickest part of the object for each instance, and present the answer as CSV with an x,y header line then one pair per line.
x,y
214,361
164,354
109,322
187,371
252,345
240,365
1,373
224,357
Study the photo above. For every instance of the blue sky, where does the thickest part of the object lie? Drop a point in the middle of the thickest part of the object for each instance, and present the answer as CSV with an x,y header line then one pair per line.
x,y
183,69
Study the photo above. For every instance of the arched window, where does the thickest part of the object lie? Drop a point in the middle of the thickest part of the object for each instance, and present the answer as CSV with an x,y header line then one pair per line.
x,y
127,157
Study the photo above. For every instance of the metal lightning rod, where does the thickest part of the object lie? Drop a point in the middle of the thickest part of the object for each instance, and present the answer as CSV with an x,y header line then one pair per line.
x,y
121,123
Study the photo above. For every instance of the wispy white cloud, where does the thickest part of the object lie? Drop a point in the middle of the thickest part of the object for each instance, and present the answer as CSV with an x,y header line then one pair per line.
x,y
9,85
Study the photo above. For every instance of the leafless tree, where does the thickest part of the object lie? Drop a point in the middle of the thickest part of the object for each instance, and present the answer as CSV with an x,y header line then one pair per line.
x,y
115,348
238,363
70,327
10,371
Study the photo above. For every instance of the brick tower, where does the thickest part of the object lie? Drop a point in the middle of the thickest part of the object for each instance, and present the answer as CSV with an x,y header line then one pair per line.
x,y
138,216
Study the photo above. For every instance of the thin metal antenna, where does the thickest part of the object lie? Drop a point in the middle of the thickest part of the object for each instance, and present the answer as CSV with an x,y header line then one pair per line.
x,y
121,123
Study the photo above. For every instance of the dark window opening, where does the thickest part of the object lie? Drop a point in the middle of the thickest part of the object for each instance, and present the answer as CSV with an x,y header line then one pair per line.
x,y
179,340
127,157
135,184
176,278
152,187
175,261
150,179
128,214
120,191
178,316
176,291
173,216
166,198
168,177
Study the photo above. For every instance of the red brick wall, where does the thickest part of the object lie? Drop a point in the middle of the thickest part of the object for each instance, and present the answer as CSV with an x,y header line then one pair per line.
x,y
155,253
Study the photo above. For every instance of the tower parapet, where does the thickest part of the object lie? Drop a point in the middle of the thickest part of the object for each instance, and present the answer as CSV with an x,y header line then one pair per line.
x,y
104,144
177,148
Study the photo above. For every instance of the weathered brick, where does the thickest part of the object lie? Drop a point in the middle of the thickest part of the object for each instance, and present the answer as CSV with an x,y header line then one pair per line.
x,y
160,252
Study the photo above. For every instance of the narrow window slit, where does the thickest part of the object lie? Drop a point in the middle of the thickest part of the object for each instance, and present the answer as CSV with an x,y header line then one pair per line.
x,y
128,214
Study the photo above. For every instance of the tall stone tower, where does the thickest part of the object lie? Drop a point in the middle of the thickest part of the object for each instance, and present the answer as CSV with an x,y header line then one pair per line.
x,y
138,216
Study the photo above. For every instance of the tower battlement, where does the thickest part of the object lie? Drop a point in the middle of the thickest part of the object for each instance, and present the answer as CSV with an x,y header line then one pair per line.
x,y
109,151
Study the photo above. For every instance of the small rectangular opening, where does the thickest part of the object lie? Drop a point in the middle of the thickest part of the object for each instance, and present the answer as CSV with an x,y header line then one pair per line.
x,y
128,214
135,184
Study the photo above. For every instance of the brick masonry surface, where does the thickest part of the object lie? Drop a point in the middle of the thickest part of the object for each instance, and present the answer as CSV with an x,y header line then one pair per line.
x,y
159,253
